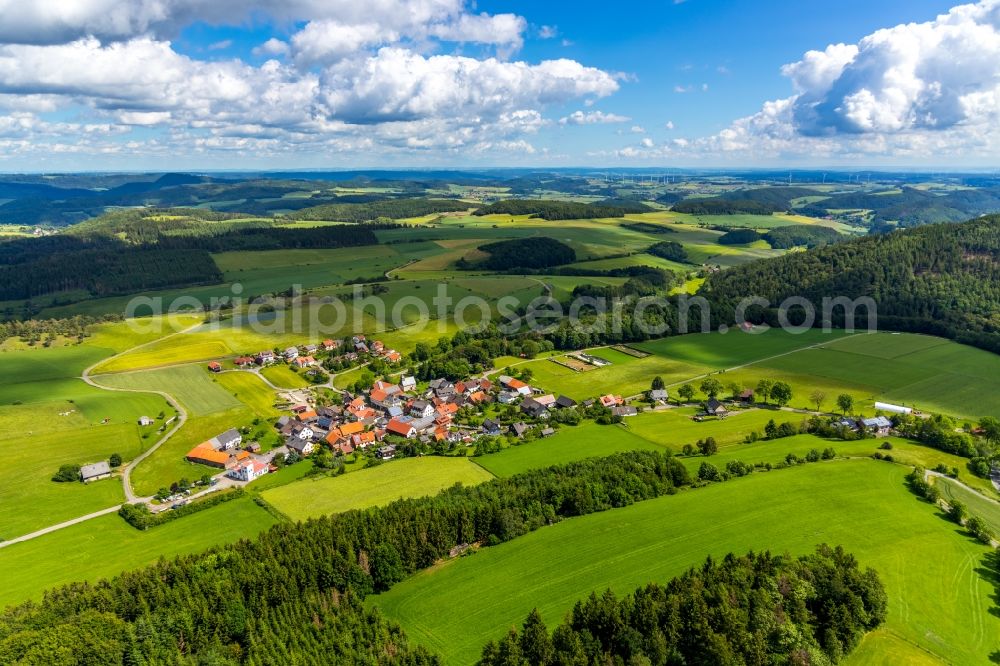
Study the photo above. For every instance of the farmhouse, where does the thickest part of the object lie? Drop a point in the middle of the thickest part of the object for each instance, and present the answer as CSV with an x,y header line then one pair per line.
x,y
230,439
291,353
248,470
243,361
878,426
304,361
421,409
265,357
624,410
386,452
145,421
401,428
534,408
215,366
715,408
746,396
95,472
658,395
491,427
564,402
301,446
520,428
611,400
206,454
330,345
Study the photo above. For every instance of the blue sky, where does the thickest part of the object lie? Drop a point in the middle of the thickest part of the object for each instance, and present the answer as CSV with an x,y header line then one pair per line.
x,y
188,84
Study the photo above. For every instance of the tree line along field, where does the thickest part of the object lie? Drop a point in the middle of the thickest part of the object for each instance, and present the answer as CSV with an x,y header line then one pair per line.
x,y
939,601
106,546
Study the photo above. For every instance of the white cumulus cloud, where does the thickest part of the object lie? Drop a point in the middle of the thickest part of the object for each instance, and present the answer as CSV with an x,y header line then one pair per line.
x,y
592,118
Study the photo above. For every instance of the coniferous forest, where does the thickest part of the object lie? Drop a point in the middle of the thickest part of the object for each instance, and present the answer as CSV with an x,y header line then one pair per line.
x,y
939,279
754,609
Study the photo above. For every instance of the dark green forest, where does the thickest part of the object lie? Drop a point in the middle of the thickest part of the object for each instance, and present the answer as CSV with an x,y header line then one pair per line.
x,y
939,279
912,207
563,210
292,595
105,265
784,238
720,206
541,252
670,250
754,609
390,208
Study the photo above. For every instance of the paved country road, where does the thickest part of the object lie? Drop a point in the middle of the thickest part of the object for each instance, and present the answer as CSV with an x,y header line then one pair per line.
x,y
182,415
53,528
130,496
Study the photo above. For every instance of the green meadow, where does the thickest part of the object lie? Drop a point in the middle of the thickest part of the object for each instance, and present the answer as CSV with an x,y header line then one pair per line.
x,y
376,486
986,508
570,443
106,546
927,373
194,386
941,610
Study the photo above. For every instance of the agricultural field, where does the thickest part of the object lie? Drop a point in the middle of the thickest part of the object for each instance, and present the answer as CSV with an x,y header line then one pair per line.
x,y
938,611
106,546
409,477
676,360
196,388
930,374
283,376
570,443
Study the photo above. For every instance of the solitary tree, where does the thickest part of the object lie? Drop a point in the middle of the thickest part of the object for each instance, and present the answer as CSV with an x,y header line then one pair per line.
x,y
845,402
685,393
708,446
657,384
957,512
711,387
817,398
764,389
781,392
115,460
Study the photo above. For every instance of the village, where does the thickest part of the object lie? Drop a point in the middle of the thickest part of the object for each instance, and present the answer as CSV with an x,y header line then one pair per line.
x,y
408,417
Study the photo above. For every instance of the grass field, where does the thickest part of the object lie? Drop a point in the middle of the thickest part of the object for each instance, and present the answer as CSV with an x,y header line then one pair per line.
x,y
410,477
570,443
939,603
282,376
987,509
251,390
167,464
676,360
106,546
196,388
920,371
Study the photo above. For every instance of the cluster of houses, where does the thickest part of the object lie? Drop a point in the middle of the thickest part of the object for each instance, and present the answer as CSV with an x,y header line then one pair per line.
x,y
306,356
402,411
